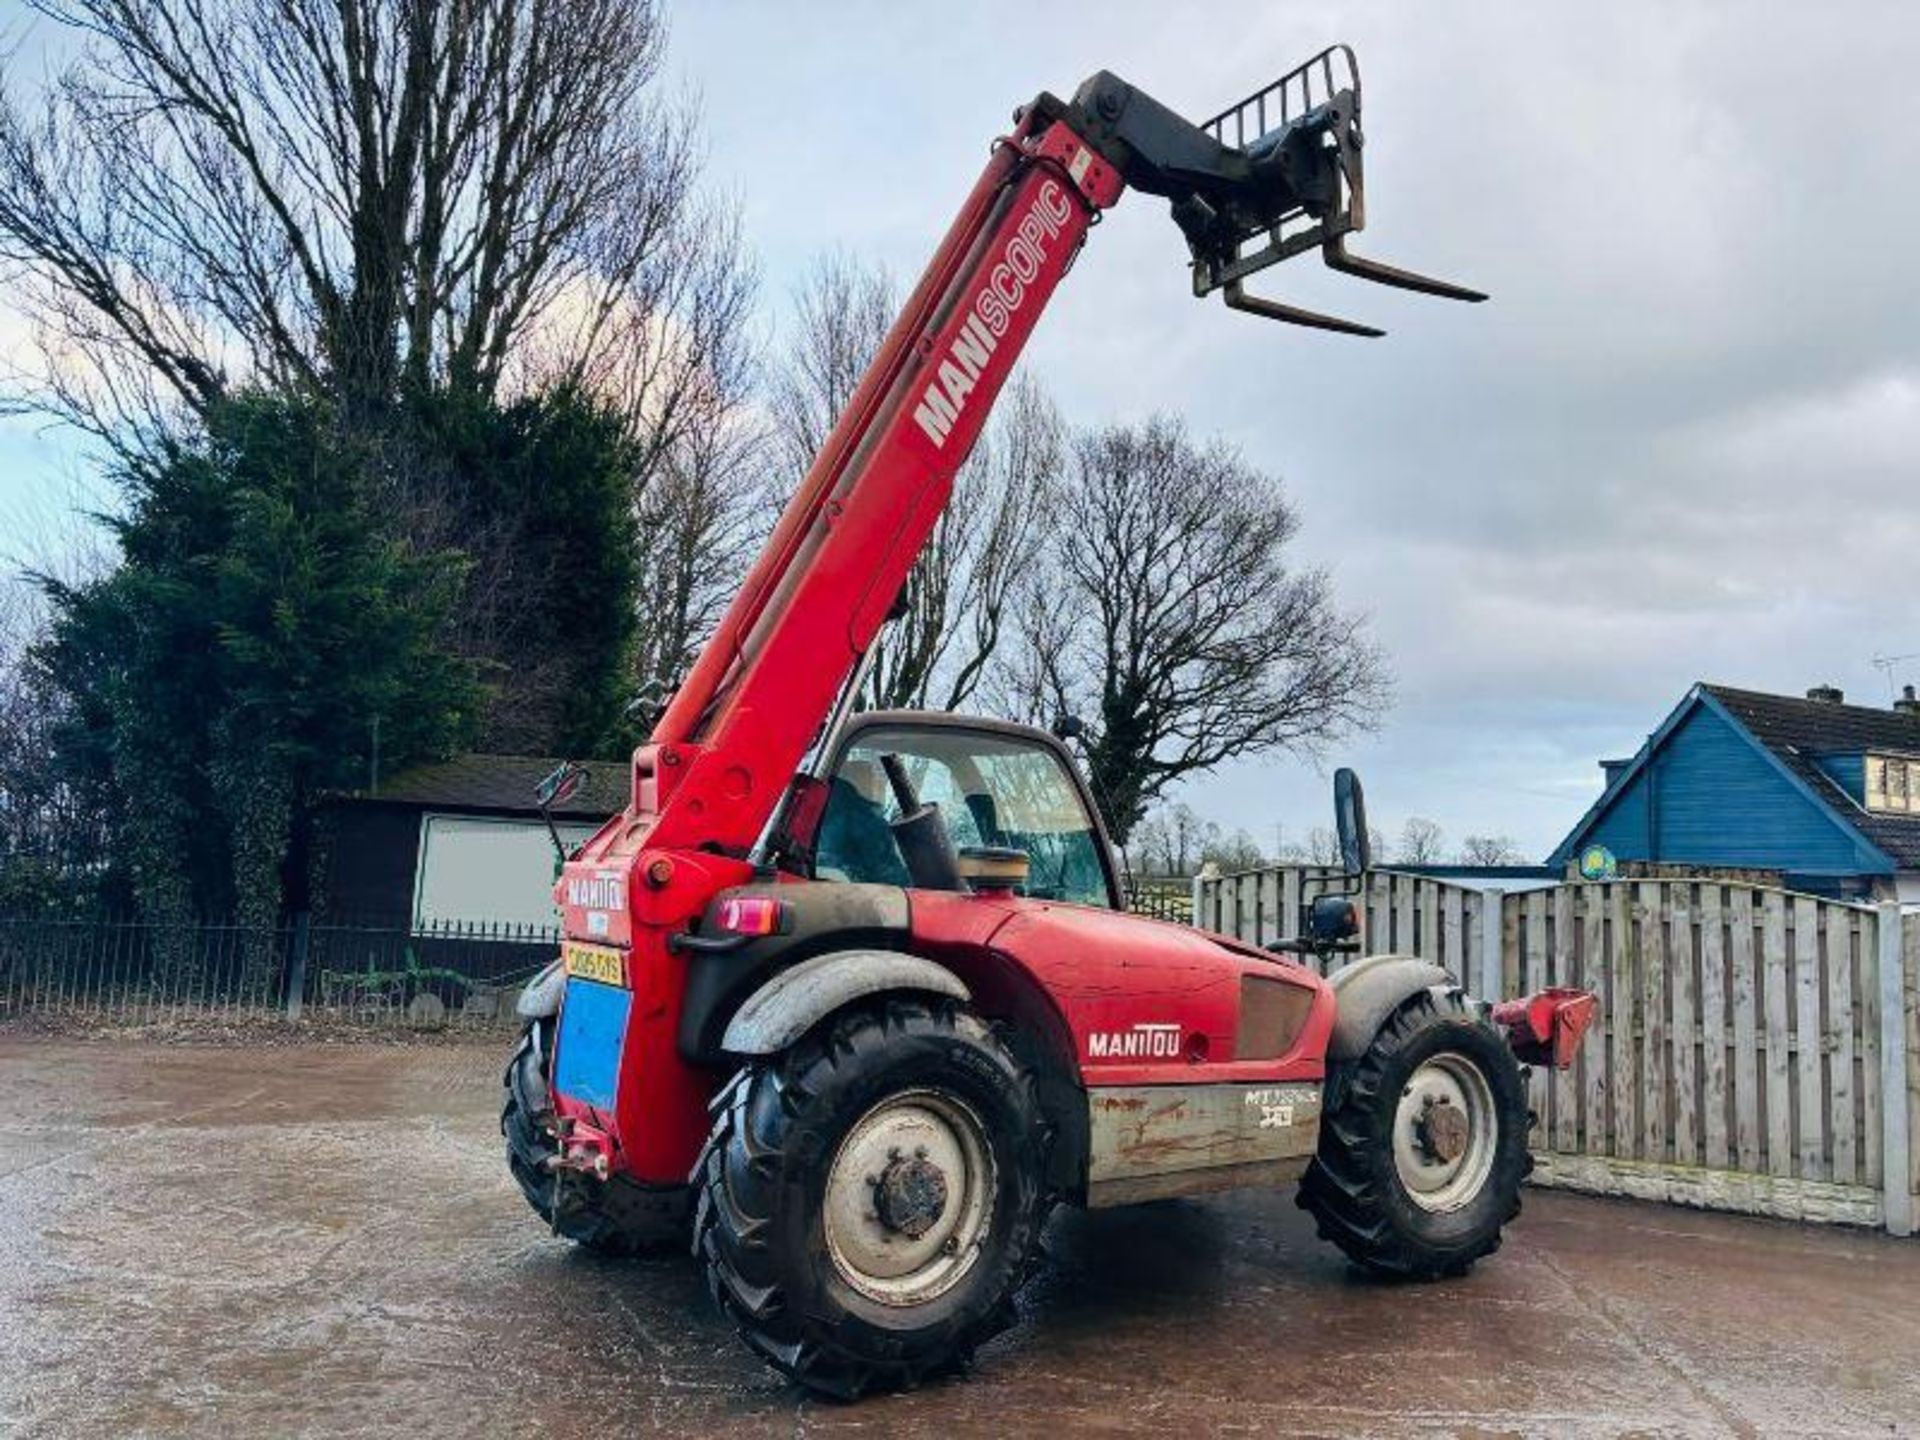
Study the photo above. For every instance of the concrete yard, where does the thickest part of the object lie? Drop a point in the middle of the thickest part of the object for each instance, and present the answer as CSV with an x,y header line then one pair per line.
x,y
323,1240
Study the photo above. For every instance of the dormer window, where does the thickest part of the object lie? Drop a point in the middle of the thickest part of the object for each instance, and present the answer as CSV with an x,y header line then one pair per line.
x,y
1893,785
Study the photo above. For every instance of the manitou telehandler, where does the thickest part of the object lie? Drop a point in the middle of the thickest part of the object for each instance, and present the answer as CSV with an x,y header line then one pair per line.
x,y
852,997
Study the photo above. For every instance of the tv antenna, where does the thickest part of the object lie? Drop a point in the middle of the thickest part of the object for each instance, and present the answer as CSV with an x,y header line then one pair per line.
x,y
1885,665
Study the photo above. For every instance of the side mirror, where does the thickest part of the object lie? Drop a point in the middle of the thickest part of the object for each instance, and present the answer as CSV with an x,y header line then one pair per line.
x,y
560,785
1350,820
1069,727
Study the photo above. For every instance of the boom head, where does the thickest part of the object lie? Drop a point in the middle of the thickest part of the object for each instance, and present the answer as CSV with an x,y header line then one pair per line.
x,y
1275,176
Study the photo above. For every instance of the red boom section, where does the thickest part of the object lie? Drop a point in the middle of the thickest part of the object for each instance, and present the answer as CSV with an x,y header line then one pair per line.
x,y
842,550
722,755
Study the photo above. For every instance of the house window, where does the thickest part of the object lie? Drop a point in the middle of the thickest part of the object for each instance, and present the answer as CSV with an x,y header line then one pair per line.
x,y
1893,784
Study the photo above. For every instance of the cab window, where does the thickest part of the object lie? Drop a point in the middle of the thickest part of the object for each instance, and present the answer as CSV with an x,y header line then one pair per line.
x,y
991,790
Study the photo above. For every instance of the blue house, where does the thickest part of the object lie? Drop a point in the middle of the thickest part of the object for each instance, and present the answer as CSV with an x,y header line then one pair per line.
x,y
1823,794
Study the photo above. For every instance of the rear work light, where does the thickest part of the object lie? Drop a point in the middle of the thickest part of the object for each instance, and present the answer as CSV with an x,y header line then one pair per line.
x,y
752,915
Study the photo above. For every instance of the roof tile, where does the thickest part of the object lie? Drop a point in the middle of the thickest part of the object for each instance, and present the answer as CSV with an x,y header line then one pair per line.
x,y
1797,730
502,782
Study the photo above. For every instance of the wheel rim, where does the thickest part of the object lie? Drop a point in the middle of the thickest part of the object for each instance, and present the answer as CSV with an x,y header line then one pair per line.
x,y
1445,1133
910,1198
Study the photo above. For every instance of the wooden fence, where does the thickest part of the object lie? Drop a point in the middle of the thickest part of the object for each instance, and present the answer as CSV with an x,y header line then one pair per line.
x,y
1757,1050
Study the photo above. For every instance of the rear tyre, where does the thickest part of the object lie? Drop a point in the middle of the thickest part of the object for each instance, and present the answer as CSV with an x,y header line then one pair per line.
x,y
871,1200
615,1217
1424,1143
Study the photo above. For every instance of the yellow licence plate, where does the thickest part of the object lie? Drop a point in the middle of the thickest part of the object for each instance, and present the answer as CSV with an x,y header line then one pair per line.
x,y
591,962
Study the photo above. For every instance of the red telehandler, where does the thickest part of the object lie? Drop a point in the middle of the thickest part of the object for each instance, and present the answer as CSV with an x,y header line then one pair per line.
x,y
854,994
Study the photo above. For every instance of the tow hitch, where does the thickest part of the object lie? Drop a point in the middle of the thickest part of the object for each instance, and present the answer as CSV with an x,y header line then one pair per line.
x,y
583,1149
1545,1028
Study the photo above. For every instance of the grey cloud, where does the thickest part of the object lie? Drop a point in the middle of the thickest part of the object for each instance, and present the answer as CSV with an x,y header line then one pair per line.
x,y
1678,444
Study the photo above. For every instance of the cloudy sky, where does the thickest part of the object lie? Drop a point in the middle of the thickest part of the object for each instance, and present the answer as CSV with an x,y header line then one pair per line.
x,y
1680,442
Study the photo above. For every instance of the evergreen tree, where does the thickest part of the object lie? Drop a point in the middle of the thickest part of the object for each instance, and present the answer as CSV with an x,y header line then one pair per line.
x,y
539,493
263,633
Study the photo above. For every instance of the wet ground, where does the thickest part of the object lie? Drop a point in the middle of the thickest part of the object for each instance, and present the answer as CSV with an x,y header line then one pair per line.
x,y
322,1240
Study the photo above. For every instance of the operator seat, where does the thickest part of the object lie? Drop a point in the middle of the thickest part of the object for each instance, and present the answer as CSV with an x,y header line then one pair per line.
x,y
856,843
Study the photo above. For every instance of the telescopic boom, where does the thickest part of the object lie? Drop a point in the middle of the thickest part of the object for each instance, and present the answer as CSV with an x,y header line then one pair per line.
x,y
1267,179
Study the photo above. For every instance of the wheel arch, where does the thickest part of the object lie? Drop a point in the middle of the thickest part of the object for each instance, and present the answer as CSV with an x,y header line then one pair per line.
x,y
801,996
795,1000
1370,990
541,996
1034,1028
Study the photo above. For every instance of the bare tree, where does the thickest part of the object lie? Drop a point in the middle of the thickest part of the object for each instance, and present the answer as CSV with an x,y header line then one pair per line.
x,y
1491,850
985,548
700,521
842,310
358,195
957,604
1150,849
1233,853
1320,847
1168,618
1174,840
1422,842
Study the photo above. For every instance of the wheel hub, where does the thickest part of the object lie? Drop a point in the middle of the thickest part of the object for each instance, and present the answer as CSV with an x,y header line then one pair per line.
x,y
1446,1133
1443,1130
911,1195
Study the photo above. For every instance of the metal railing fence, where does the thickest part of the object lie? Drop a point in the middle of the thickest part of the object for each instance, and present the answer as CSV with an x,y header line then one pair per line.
x,y
141,972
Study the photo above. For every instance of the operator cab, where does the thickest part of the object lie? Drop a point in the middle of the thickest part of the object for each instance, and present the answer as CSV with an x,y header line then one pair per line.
x,y
1009,798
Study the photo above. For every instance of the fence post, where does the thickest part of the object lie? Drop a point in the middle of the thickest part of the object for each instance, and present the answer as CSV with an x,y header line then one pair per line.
x,y
1896,1175
1493,929
297,967
1199,888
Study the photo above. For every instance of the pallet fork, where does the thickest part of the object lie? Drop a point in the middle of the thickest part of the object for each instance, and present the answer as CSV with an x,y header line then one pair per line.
x,y
1272,177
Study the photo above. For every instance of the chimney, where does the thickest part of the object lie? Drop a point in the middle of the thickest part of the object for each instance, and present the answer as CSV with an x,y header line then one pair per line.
x,y
1908,703
1827,694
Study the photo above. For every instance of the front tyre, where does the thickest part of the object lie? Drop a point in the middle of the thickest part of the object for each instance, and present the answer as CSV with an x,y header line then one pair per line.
x,y
1424,1143
871,1200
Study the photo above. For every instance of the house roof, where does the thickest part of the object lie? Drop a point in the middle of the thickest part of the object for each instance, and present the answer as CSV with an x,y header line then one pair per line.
x,y
502,782
1796,730
1791,732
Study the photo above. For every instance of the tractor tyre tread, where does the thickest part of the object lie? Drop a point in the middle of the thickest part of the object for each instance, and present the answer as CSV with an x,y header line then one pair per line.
x,y
616,1217
1352,1188
773,1139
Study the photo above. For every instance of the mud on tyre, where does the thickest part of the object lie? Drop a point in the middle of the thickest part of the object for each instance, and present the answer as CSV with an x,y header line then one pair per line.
x,y
1423,1144
870,1200
615,1217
